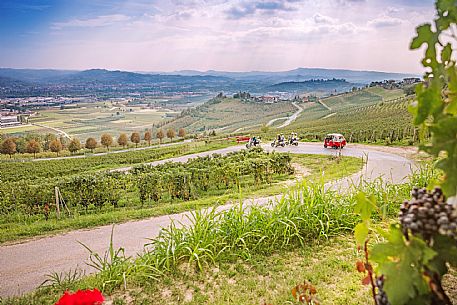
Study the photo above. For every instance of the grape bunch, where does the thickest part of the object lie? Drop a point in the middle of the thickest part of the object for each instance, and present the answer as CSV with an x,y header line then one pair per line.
x,y
427,214
381,296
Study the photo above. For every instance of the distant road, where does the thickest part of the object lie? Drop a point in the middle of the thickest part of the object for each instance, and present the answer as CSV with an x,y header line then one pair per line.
x,y
288,119
66,135
323,104
293,117
24,266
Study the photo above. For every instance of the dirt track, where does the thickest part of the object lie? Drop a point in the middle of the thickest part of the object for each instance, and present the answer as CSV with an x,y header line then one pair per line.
x,y
24,266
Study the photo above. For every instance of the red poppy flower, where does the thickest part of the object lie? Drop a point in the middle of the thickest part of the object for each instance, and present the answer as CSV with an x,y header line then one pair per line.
x,y
81,297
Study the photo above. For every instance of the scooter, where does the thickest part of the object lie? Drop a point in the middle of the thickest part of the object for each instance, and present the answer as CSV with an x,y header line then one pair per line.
x,y
277,143
252,143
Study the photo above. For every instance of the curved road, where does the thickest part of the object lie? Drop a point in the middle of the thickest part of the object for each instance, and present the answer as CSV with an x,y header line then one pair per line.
x,y
24,266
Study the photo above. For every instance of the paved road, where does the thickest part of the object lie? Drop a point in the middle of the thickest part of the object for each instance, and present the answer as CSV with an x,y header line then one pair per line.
x,y
24,266
293,117
288,120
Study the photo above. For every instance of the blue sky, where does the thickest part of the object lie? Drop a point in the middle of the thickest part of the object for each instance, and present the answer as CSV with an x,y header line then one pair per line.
x,y
233,35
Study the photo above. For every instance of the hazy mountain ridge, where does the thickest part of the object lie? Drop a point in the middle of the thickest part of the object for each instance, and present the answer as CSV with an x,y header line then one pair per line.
x,y
304,74
337,85
96,81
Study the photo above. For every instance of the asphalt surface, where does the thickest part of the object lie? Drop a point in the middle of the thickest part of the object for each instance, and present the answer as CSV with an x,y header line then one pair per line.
x,y
24,266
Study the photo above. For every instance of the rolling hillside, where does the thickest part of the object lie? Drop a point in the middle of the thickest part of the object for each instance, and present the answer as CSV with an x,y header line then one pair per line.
x,y
230,115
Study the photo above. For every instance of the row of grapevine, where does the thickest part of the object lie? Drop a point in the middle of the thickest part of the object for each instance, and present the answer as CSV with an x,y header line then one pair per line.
x,y
166,182
187,181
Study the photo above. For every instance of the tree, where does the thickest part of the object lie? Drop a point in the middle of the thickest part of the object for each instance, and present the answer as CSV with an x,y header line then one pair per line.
x,y
106,140
48,139
9,147
160,135
122,140
33,147
91,144
171,134
135,138
182,132
64,141
148,137
74,145
55,146
21,145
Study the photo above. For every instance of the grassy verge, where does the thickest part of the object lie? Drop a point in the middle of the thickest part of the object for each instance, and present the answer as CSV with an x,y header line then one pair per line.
x,y
17,227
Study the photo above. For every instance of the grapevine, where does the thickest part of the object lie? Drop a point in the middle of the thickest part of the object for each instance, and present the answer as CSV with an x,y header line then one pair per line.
x,y
420,249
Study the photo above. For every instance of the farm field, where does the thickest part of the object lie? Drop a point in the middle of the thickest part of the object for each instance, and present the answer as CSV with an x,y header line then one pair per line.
x,y
94,119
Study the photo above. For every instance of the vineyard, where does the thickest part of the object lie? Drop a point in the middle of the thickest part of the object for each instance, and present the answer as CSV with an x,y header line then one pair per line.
x,y
383,122
89,193
16,171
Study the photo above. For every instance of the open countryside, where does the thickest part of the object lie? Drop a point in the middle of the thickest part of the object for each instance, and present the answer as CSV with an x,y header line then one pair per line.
x,y
191,164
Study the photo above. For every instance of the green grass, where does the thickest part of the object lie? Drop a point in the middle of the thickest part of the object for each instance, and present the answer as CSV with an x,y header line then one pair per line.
x,y
15,227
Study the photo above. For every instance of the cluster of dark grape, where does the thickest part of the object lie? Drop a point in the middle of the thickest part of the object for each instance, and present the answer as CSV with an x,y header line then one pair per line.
x,y
427,214
381,296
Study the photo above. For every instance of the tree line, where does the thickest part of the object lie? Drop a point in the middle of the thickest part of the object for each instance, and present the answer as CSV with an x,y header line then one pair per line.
x,y
34,144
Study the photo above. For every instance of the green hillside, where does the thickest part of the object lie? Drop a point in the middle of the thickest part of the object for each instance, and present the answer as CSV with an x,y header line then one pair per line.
x,y
230,114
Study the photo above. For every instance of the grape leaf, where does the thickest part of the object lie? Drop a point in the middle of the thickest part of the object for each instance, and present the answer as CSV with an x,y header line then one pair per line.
x,y
365,205
445,139
361,233
401,262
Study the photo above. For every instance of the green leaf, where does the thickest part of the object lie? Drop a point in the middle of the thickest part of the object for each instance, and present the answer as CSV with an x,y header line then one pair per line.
x,y
365,205
361,233
445,139
402,263
446,53
424,35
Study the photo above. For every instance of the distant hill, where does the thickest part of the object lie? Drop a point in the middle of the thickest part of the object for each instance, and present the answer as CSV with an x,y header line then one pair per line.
x,y
303,74
34,75
118,83
314,85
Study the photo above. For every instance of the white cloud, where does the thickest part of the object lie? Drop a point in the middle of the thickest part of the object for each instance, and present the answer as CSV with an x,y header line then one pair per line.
x,y
98,21
385,21
321,19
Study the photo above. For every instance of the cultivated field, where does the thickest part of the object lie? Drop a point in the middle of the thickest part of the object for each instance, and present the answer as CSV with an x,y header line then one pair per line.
x,y
94,119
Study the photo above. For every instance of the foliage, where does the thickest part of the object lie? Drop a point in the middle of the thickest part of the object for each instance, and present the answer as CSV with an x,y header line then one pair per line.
x,y
160,135
33,147
91,143
122,140
74,145
135,138
55,146
148,137
171,133
8,146
106,140
181,133
436,106
415,256
186,181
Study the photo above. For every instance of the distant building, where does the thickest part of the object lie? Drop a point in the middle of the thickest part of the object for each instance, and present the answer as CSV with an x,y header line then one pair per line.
x,y
9,121
411,80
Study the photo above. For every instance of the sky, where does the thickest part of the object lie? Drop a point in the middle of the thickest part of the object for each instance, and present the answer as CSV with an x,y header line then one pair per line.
x,y
230,35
